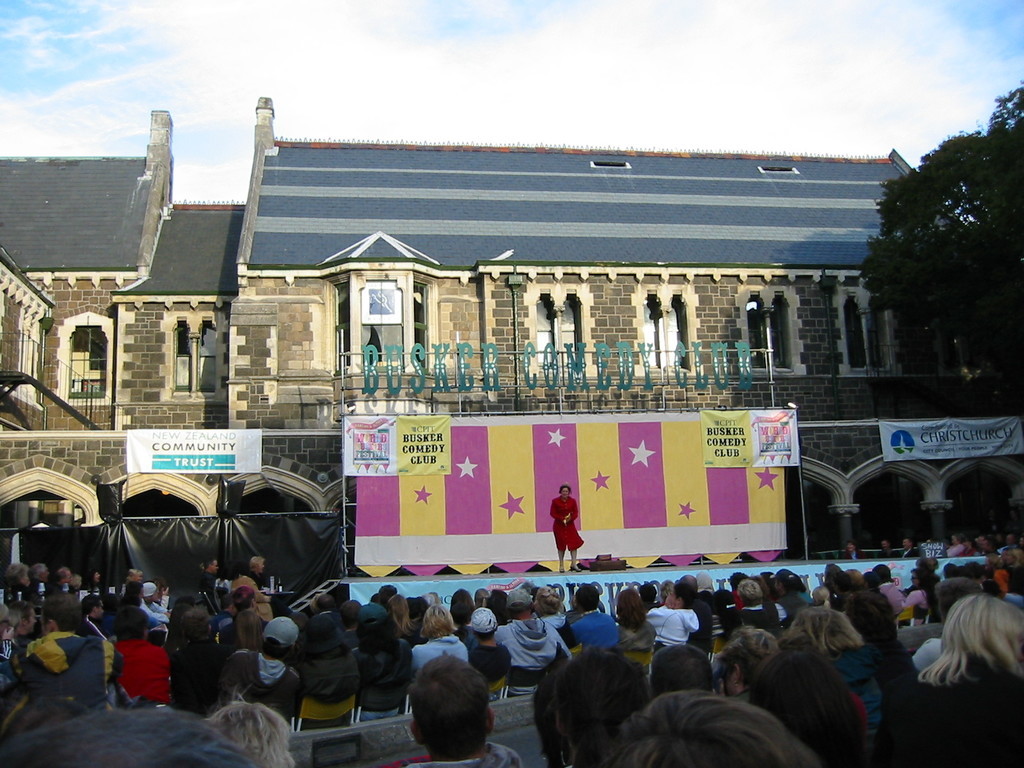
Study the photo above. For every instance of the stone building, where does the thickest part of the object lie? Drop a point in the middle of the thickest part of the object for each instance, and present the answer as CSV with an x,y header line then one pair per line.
x,y
365,278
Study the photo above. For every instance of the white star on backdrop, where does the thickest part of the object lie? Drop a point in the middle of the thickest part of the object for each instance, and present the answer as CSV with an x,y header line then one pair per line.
x,y
556,438
467,467
641,454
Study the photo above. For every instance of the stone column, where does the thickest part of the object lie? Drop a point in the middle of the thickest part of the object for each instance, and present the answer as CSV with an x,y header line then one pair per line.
x,y
937,510
845,513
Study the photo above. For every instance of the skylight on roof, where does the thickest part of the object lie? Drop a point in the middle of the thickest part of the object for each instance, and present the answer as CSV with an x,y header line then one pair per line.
x,y
771,169
610,164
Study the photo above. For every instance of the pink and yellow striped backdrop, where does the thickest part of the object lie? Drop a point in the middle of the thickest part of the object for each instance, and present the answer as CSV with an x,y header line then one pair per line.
x,y
640,482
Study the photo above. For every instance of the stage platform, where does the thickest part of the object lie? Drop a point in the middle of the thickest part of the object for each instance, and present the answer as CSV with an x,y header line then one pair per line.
x,y
610,583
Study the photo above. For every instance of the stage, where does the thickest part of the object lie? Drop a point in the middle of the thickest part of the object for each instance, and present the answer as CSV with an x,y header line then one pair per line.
x,y
610,583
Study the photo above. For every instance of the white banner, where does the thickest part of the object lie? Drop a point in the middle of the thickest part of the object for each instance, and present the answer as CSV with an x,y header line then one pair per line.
x,y
370,445
199,451
950,438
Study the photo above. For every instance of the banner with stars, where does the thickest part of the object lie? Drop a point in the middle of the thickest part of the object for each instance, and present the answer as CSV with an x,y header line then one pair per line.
x,y
640,481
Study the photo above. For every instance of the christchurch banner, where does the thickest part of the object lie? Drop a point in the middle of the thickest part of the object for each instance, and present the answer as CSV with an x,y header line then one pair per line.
x,y
950,438
206,451
640,481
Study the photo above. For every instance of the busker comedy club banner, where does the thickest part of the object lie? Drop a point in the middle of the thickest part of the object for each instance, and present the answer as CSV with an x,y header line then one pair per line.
x,y
950,438
642,482
205,451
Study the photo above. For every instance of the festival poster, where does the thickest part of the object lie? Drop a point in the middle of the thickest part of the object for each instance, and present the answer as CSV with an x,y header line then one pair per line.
x,y
369,446
424,445
727,441
775,439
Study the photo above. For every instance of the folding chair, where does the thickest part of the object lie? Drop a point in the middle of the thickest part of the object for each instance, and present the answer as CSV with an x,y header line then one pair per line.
x,y
314,709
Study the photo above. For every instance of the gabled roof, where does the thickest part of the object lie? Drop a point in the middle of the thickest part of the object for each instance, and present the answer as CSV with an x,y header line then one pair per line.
x,y
464,205
379,247
73,213
196,252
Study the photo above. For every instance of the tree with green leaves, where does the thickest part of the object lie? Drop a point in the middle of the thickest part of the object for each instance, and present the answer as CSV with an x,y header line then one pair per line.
x,y
950,252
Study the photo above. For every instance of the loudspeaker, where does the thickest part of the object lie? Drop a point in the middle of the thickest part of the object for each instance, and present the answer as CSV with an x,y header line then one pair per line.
x,y
109,497
229,501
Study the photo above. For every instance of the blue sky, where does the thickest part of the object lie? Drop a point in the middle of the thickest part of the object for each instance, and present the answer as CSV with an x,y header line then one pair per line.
x,y
845,77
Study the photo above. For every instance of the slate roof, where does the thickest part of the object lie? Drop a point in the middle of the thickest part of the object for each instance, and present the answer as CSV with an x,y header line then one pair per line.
x,y
195,252
463,205
76,213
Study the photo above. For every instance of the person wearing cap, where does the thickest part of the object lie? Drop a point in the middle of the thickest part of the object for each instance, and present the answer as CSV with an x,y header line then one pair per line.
x,y
493,661
385,663
263,676
157,614
532,643
329,670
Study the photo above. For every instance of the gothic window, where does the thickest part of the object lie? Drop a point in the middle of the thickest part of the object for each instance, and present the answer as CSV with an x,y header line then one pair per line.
x,y
88,362
207,357
420,313
856,350
182,357
779,320
664,329
545,321
344,323
195,357
756,334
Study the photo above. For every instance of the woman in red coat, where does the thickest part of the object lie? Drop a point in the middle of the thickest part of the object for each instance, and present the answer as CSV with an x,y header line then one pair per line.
x,y
565,512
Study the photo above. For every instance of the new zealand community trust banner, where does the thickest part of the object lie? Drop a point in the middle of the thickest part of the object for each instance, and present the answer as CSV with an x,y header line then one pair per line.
x,y
675,486
204,451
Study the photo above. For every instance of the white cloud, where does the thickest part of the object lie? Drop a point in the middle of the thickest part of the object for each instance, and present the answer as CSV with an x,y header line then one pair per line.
x,y
850,78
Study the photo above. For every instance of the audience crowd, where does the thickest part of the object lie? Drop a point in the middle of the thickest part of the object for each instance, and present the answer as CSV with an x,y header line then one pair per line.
x,y
766,670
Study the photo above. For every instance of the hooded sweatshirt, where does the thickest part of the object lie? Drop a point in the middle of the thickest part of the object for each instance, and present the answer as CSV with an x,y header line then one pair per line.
x,y
64,665
533,645
261,679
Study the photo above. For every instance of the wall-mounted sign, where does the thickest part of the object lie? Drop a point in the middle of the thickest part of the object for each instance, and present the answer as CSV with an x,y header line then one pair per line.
x,y
203,451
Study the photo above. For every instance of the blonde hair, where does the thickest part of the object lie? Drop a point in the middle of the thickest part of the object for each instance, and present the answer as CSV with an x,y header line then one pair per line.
x,y
437,622
820,596
750,593
668,589
260,731
982,628
547,602
256,560
825,630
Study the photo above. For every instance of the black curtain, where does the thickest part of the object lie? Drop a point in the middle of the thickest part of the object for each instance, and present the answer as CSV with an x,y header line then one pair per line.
x,y
172,547
301,549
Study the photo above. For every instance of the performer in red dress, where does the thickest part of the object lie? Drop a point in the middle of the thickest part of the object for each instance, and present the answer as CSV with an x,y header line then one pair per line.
x,y
565,512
